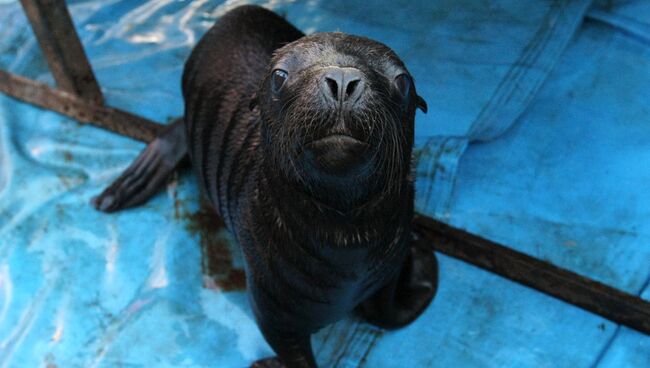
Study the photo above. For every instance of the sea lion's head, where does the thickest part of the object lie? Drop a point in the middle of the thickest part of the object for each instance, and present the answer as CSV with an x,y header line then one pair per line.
x,y
338,116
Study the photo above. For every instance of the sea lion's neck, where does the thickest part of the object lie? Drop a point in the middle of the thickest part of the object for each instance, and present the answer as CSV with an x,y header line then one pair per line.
x,y
350,198
306,217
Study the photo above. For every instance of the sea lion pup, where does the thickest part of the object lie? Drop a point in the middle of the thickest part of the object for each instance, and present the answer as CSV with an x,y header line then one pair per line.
x,y
303,145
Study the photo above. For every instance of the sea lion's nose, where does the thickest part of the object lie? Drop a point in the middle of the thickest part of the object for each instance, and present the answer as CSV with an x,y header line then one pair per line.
x,y
342,85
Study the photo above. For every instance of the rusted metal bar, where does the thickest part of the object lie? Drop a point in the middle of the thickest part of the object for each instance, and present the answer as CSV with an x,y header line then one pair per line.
x,y
54,30
85,111
598,298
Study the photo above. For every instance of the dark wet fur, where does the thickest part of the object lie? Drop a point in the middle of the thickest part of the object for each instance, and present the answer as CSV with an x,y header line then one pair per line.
x,y
316,245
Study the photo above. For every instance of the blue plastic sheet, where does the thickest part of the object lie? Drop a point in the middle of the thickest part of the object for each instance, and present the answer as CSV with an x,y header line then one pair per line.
x,y
537,136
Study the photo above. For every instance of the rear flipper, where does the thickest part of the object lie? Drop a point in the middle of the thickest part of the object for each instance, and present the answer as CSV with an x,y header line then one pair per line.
x,y
148,173
405,297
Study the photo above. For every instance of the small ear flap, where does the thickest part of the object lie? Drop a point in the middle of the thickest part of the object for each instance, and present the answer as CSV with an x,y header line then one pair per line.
x,y
421,104
253,102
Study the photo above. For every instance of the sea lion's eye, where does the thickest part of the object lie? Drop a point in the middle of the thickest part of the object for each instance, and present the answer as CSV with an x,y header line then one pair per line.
x,y
277,79
403,83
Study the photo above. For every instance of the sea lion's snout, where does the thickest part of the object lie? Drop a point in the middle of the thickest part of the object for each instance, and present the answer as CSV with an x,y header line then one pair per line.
x,y
338,154
342,86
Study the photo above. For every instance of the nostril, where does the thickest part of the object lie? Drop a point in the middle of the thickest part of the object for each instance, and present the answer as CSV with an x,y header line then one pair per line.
x,y
333,86
352,86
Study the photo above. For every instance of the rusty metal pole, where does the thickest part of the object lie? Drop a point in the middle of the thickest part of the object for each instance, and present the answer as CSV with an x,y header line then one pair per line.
x,y
591,295
78,94
55,32
42,95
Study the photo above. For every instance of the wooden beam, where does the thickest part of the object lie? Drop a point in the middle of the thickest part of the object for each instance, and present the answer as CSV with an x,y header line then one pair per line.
x,y
598,298
55,32
42,95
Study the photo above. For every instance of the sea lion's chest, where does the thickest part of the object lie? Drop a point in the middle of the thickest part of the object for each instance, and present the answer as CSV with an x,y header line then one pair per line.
x,y
307,278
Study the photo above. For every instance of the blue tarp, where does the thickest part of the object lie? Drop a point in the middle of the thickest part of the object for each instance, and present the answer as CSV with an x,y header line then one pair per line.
x,y
538,136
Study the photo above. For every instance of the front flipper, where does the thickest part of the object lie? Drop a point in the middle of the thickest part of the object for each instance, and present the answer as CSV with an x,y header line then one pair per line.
x,y
293,351
148,173
405,297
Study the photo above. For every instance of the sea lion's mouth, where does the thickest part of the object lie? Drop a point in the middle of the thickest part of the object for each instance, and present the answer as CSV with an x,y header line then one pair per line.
x,y
336,139
337,154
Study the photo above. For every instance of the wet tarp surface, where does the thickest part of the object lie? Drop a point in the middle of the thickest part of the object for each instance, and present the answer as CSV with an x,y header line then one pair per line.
x,y
538,136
